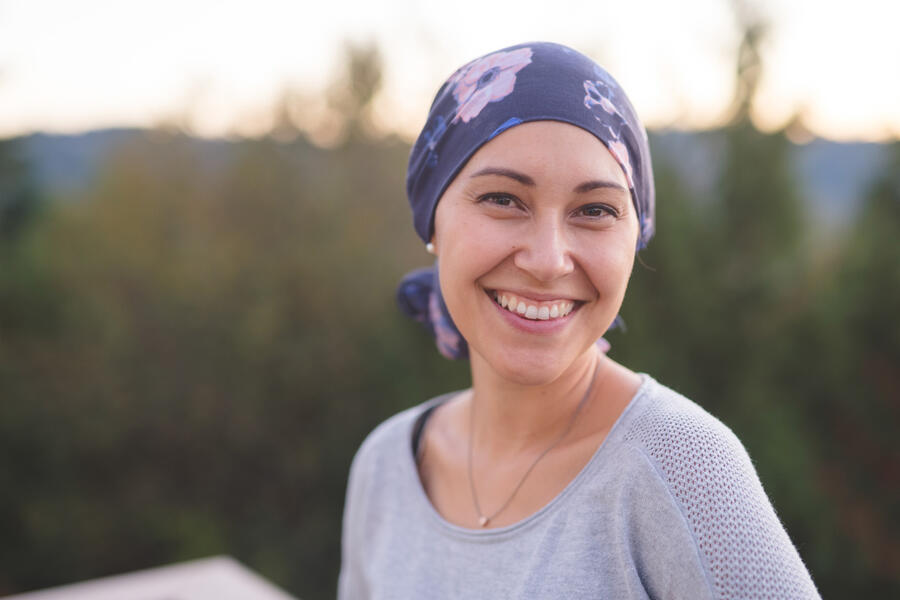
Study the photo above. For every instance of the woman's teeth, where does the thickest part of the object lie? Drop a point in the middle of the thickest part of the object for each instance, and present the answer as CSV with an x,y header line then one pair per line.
x,y
542,311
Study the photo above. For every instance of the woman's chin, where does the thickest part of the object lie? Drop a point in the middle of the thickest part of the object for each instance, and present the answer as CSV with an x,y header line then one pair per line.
x,y
527,368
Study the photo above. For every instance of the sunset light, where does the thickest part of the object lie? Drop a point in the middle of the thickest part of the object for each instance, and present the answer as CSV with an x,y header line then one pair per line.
x,y
217,67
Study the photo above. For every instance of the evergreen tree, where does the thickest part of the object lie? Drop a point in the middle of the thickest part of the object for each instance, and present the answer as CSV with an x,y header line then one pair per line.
x,y
18,192
854,344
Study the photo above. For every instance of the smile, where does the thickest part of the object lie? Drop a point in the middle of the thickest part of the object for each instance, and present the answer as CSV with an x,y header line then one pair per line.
x,y
529,309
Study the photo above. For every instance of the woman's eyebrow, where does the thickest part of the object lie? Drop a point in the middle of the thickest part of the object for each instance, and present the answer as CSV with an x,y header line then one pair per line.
x,y
594,184
520,177
524,179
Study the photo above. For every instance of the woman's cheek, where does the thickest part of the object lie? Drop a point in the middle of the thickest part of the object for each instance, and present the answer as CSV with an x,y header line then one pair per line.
x,y
489,240
610,268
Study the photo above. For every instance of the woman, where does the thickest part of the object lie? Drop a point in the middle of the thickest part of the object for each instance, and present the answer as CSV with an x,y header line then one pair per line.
x,y
560,473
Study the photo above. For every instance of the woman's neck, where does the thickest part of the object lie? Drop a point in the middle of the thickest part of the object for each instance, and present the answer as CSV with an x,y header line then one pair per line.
x,y
510,417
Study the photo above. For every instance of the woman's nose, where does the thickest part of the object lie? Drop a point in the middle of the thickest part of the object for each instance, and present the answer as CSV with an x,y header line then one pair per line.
x,y
545,252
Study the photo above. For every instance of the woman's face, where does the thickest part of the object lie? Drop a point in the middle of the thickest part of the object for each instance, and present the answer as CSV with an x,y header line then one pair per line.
x,y
540,219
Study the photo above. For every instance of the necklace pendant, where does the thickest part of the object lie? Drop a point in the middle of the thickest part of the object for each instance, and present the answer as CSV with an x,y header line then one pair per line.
x,y
483,521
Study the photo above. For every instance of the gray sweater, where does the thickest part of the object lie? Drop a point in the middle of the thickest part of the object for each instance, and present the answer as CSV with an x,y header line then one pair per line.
x,y
669,506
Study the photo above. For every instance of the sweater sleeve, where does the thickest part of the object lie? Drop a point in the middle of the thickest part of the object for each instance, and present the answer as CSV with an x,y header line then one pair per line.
x,y
744,547
352,580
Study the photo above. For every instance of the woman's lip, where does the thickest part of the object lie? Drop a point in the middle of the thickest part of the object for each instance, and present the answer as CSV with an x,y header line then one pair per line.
x,y
533,326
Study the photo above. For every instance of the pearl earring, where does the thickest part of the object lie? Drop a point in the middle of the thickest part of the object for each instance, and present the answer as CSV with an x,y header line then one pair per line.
x,y
429,247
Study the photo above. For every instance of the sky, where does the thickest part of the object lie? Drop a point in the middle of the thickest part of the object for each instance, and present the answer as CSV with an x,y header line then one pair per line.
x,y
216,67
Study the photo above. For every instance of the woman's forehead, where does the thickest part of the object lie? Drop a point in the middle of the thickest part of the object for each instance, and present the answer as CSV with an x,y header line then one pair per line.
x,y
546,151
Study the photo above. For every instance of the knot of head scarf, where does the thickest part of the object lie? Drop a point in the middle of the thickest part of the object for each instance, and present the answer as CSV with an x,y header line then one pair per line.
x,y
538,81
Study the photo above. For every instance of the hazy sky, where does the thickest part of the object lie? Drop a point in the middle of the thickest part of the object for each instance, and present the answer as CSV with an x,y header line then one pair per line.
x,y
219,65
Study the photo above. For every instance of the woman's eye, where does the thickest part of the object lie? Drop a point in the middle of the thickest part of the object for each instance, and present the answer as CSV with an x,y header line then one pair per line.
x,y
498,200
597,211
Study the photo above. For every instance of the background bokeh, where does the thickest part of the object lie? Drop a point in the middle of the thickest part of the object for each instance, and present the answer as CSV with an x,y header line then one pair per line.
x,y
196,333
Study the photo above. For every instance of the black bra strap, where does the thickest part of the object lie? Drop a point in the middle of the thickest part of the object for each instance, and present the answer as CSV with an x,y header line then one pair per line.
x,y
419,428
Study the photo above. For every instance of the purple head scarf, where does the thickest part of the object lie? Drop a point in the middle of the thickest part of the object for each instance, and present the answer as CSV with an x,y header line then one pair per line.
x,y
538,81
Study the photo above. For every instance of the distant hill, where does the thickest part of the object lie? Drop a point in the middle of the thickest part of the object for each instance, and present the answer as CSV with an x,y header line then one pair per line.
x,y
833,176
66,164
63,163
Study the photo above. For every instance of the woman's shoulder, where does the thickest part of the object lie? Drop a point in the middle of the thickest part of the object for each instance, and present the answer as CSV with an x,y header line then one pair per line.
x,y
668,424
394,436
709,475
692,451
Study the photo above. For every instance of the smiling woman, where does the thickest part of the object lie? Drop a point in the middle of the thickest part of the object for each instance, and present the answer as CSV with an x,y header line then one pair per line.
x,y
560,473
540,215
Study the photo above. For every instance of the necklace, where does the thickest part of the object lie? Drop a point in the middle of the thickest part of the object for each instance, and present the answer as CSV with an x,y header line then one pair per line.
x,y
483,519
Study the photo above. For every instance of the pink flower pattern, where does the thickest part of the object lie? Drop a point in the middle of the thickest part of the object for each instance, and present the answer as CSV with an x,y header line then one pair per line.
x,y
620,153
597,94
449,341
488,79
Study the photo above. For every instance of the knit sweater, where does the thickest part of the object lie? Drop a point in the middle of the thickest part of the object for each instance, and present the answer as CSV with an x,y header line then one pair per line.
x,y
669,506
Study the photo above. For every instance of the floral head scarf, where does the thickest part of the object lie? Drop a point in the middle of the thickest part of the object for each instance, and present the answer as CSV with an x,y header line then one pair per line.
x,y
538,81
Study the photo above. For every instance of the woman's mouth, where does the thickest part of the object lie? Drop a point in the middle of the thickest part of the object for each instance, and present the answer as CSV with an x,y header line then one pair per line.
x,y
531,309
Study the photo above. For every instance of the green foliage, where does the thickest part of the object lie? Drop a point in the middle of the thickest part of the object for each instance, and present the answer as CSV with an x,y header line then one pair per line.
x,y
19,200
854,346
190,360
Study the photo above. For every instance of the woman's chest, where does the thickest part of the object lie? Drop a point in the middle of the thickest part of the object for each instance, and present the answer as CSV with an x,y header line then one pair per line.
x,y
557,559
466,486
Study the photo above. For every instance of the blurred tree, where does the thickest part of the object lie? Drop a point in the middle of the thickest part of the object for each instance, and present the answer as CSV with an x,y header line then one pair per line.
x,y
212,374
759,218
23,297
18,193
854,343
351,95
753,28
343,115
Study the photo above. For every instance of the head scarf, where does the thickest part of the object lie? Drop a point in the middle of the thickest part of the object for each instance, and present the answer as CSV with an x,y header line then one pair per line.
x,y
538,81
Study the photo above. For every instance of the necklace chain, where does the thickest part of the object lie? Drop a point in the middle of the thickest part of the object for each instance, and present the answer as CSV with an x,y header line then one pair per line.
x,y
483,519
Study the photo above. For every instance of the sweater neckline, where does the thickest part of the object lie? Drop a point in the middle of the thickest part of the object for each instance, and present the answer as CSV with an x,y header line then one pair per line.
x,y
498,533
